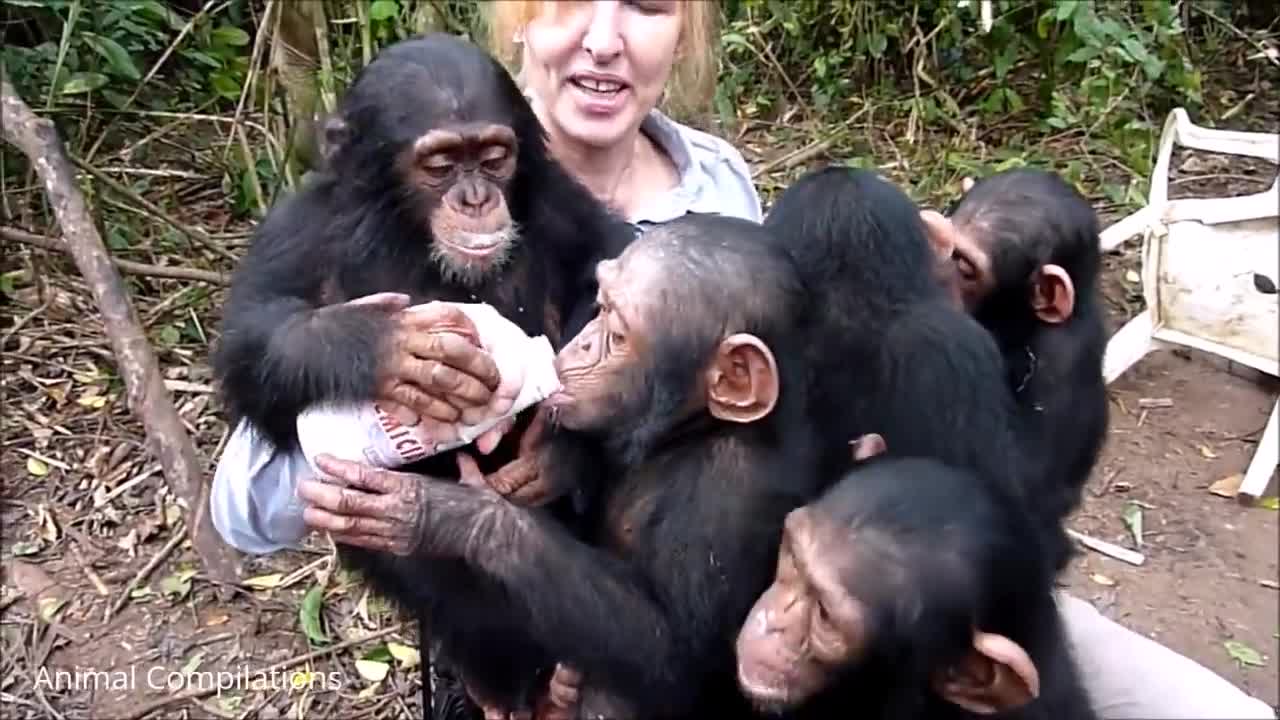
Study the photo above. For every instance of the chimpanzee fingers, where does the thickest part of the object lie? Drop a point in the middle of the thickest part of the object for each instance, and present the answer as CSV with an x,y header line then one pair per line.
x,y
456,353
366,527
488,441
509,478
365,485
443,377
469,472
402,413
439,317
390,301
426,406
394,545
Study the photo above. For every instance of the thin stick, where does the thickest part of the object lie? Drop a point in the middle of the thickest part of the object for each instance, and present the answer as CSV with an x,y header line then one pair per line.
x,y
1108,549
197,693
125,266
146,570
198,236
147,397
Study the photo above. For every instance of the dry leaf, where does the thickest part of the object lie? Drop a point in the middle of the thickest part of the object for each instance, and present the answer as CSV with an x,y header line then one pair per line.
x,y
1132,277
37,467
372,670
49,606
265,582
217,620
1227,487
1208,452
408,657
1102,580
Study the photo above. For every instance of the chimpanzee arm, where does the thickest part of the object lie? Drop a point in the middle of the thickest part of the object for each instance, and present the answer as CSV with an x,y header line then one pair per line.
x,y
643,632
279,351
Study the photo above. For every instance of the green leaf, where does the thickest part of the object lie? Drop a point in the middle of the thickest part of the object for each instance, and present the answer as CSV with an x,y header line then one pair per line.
x,y
115,55
378,654
1066,8
876,46
229,35
170,335
1132,515
82,82
178,584
1082,55
309,615
25,547
227,87
1270,503
383,10
1244,654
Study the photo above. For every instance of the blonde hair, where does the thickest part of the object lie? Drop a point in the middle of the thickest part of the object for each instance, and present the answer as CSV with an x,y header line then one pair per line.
x,y
693,76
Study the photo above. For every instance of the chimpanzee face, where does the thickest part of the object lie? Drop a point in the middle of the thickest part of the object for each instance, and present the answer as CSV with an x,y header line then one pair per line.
x,y
463,174
436,129
604,369
806,627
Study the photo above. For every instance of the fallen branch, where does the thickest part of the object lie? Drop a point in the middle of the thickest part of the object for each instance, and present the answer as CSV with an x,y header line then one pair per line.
x,y
38,139
200,692
125,266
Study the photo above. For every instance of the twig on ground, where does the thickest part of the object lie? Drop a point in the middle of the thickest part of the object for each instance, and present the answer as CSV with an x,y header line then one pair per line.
x,y
148,399
198,236
201,692
126,266
146,570
1108,549
810,151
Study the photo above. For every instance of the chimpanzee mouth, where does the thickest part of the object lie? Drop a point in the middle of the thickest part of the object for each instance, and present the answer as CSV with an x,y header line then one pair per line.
x,y
767,697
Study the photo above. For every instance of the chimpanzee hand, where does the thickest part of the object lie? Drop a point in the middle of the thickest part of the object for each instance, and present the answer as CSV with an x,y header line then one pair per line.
x,y
523,480
365,506
433,364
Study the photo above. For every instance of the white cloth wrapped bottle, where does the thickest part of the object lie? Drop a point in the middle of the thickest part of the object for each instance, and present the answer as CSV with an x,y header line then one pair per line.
x,y
364,432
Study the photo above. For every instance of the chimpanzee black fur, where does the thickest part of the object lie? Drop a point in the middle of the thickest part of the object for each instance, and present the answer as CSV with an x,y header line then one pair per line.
x,y
938,552
1029,218
359,228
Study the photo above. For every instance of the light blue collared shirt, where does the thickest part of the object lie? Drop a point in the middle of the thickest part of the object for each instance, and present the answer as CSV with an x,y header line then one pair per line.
x,y
253,502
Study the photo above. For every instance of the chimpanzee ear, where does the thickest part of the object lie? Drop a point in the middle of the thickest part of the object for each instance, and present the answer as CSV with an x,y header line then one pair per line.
x,y
1053,295
335,132
742,382
941,232
996,676
867,446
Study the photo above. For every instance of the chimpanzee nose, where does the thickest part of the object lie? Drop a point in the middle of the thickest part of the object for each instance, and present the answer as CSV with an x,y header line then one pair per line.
x,y
477,199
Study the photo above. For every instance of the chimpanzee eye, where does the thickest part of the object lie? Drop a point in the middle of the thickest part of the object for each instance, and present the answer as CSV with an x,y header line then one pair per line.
x,y
494,158
617,339
437,168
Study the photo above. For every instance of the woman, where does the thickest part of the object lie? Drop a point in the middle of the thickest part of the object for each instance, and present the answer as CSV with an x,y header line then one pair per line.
x,y
595,73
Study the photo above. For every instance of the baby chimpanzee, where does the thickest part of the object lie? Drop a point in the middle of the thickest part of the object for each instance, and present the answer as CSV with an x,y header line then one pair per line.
x,y
911,590
1021,251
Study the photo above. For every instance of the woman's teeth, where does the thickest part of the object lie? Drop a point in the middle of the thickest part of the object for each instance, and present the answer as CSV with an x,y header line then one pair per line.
x,y
607,87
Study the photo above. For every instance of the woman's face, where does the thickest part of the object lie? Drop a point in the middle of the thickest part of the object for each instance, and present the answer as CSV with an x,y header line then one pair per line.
x,y
597,68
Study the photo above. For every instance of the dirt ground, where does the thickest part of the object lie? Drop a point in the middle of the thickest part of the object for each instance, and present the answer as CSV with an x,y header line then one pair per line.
x,y
87,535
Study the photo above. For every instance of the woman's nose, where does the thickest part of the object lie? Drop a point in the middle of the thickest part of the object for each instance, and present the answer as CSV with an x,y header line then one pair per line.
x,y
603,39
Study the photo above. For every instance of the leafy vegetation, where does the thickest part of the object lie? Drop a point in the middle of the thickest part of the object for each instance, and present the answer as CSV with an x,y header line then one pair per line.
x,y
959,72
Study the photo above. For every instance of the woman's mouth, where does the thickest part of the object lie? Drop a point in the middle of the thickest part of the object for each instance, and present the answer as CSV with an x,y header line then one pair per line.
x,y
598,86
599,95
